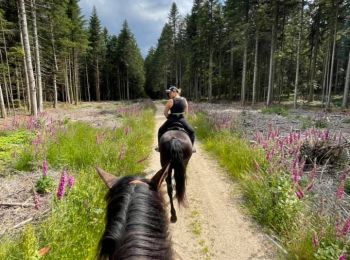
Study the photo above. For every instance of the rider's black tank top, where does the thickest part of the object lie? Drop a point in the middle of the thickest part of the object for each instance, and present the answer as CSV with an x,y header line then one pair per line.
x,y
178,106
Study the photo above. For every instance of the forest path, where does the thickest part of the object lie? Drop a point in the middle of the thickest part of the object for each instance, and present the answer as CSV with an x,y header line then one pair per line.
x,y
213,225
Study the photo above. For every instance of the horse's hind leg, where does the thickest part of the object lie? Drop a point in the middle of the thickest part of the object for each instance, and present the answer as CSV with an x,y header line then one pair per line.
x,y
173,217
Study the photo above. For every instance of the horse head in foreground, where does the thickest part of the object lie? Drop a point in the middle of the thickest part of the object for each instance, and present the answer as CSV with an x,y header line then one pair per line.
x,y
175,149
136,222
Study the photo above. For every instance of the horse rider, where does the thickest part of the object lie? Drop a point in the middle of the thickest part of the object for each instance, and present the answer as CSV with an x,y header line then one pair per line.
x,y
178,107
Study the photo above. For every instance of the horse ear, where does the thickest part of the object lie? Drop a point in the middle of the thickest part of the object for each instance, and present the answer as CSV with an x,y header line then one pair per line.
x,y
159,177
107,178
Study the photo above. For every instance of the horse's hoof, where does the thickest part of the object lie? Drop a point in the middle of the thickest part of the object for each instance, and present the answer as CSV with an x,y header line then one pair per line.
x,y
173,219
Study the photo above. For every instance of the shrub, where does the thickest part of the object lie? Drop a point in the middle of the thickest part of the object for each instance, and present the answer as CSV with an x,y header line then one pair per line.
x,y
321,122
44,184
275,110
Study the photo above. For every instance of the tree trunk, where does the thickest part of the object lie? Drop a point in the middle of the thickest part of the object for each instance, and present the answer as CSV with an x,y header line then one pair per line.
x,y
244,72
313,68
2,104
298,56
346,86
28,56
66,81
17,85
332,62
127,84
5,83
119,87
8,67
55,67
196,85
231,70
29,104
87,81
210,83
325,74
70,65
98,94
76,76
255,66
336,75
272,54
37,58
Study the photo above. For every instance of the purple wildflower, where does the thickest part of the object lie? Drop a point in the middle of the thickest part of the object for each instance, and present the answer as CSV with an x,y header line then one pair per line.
x,y
61,185
36,201
346,227
342,256
299,193
70,182
340,190
44,168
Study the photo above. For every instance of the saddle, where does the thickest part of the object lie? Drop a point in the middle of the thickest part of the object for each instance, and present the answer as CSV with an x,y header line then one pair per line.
x,y
176,126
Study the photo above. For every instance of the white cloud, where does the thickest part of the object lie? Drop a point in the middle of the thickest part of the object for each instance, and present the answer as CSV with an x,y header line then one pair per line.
x,y
146,18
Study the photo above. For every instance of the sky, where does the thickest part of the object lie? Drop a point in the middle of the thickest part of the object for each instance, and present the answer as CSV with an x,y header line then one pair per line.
x,y
146,18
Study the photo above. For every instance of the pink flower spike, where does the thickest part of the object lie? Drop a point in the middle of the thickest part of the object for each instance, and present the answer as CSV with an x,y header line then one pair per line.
x,y
340,190
44,168
342,256
62,185
36,201
70,182
299,193
346,227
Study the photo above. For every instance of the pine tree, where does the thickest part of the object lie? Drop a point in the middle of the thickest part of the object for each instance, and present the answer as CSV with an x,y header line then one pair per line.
x,y
95,44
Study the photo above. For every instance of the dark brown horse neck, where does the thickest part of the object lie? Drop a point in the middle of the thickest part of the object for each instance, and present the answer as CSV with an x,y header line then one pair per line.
x,y
135,209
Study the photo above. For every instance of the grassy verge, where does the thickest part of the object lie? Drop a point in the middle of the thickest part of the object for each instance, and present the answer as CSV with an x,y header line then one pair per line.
x,y
10,143
74,226
270,196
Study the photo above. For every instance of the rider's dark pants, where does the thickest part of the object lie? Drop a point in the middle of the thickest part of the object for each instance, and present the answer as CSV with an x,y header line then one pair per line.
x,y
170,122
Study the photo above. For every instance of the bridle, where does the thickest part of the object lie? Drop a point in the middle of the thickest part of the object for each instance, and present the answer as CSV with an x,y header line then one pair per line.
x,y
138,182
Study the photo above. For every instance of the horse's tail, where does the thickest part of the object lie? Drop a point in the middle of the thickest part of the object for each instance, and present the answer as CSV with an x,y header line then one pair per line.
x,y
177,163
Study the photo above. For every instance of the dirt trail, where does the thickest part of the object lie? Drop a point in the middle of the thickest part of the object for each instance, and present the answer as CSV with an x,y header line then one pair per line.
x,y
212,226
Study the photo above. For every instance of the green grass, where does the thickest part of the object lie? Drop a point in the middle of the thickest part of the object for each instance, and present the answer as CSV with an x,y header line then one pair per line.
x,y
74,226
195,224
275,110
10,143
232,152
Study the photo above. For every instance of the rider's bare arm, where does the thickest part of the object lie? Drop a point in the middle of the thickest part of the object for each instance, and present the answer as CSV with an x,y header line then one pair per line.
x,y
186,107
167,107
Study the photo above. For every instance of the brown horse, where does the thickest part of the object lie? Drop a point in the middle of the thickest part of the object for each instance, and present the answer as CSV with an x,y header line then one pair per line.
x,y
136,222
175,148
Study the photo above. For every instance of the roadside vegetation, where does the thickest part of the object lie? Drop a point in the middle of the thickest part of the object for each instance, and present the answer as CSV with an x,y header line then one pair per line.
x,y
293,182
73,227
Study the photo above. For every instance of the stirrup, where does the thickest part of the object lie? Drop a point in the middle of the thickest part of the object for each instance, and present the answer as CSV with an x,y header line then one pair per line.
x,y
156,149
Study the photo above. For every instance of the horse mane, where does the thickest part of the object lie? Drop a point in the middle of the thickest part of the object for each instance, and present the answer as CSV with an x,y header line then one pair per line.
x,y
136,223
